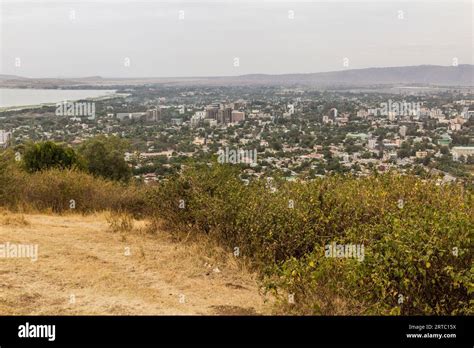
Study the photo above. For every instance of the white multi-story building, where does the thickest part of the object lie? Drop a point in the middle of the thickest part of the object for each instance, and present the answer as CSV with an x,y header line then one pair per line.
x,y
291,109
372,144
362,113
197,118
403,131
5,138
458,151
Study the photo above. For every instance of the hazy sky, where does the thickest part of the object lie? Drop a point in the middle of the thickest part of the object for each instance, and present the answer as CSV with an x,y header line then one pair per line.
x,y
220,37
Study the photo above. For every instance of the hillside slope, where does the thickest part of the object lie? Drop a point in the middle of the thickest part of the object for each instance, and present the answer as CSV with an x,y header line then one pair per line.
x,y
80,258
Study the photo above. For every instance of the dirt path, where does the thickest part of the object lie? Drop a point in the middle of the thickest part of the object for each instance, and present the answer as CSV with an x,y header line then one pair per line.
x,y
83,268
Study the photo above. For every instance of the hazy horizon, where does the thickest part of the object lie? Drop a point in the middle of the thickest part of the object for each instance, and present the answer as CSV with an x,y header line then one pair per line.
x,y
218,76
118,39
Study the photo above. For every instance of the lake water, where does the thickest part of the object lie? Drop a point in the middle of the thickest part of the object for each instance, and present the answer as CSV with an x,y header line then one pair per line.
x,y
13,97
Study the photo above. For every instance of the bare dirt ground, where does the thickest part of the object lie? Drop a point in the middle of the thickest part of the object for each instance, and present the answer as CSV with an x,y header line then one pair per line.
x,y
84,268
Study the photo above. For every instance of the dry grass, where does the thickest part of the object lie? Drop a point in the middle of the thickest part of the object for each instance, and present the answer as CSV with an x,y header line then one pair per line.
x,y
7,218
120,222
128,272
66,191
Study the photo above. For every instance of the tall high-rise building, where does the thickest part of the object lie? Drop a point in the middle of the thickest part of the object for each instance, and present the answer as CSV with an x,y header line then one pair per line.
x,y
212,110
228,114
153,115
403,131
224,115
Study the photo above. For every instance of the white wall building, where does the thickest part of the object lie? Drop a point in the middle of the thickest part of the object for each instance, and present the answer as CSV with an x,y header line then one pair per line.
x,y
5,138
458,151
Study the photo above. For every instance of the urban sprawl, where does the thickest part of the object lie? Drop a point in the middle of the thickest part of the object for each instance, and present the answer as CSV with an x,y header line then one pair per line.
x,y
297,133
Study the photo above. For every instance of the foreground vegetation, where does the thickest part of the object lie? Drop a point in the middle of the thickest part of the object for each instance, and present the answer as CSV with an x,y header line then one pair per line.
x,y
417,236
61,190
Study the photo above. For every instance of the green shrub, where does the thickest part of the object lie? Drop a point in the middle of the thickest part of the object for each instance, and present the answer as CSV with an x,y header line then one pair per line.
x,y
417,256
47,155
104,157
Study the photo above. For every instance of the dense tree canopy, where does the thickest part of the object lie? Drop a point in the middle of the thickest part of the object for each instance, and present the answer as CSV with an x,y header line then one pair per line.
x,y
46,155
104,156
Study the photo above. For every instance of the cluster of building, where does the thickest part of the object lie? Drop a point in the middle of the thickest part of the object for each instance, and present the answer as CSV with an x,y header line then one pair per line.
x,y
289,131
151,115
218,113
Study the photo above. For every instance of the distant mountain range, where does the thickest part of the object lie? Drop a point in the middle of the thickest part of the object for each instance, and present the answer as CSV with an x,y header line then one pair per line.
x,y
461,75
11,77
431,75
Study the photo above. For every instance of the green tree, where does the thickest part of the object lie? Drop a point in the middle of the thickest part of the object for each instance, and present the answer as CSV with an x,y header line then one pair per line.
x,y
45,155
444,150
104,156
405,150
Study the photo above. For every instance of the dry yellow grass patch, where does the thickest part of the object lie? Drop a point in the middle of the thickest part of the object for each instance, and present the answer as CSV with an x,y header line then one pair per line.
x,y
8,218
85,268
